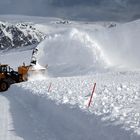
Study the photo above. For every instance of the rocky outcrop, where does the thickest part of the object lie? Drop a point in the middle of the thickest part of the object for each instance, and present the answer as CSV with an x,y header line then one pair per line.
x,y
18,35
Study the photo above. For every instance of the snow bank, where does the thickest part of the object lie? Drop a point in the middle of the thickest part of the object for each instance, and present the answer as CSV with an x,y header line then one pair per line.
x,y
116,98
72,52
39,118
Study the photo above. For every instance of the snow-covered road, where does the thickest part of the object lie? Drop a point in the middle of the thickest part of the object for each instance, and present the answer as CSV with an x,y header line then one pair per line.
x,y
7,131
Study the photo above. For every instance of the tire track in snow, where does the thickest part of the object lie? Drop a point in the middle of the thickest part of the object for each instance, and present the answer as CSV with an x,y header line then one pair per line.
x,y
6,126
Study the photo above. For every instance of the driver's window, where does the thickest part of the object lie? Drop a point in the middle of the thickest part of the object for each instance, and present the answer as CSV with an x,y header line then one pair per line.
x,y
4,69
8,69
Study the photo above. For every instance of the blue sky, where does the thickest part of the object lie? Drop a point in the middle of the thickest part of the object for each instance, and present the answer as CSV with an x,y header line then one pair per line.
x,y
91,10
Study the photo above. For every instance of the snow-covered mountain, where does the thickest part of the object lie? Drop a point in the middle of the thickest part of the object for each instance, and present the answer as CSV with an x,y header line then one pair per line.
x,y
79,54
18,35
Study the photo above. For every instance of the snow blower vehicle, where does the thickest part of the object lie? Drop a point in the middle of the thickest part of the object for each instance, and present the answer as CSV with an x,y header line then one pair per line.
x,y
9,76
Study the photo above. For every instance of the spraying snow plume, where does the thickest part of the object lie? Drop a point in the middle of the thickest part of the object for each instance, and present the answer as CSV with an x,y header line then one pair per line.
x,y
37,72
71,53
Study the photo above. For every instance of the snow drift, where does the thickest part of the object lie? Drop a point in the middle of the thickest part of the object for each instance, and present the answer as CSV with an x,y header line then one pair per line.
x,y
39,118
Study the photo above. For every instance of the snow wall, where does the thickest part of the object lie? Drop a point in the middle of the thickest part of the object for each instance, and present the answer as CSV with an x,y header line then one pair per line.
x,y
38,118
78,52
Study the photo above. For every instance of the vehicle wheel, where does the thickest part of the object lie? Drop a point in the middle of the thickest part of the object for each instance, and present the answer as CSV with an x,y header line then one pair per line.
x,y
4,86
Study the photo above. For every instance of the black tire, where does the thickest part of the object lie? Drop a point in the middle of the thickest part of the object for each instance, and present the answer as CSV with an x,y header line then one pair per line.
x,y
3,86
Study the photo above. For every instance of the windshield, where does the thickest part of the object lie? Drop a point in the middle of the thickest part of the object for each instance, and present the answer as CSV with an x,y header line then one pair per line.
x,y
5,69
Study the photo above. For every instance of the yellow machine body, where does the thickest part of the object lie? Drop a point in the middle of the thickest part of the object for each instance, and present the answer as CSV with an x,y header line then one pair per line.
x,y
8,76
2,75
23,71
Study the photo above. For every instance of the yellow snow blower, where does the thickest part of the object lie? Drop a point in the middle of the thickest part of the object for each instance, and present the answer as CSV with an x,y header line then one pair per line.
x,y
8,76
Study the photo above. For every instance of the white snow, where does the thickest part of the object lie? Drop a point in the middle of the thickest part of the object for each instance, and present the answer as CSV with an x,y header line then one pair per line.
x,y
55,107
6,123
121,44
72,52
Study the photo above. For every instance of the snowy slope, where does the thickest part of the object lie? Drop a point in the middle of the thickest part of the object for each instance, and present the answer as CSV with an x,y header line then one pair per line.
x,y
78,55
121,44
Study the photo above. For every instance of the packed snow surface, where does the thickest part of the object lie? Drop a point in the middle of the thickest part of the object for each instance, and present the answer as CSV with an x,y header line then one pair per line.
x,y
54,106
